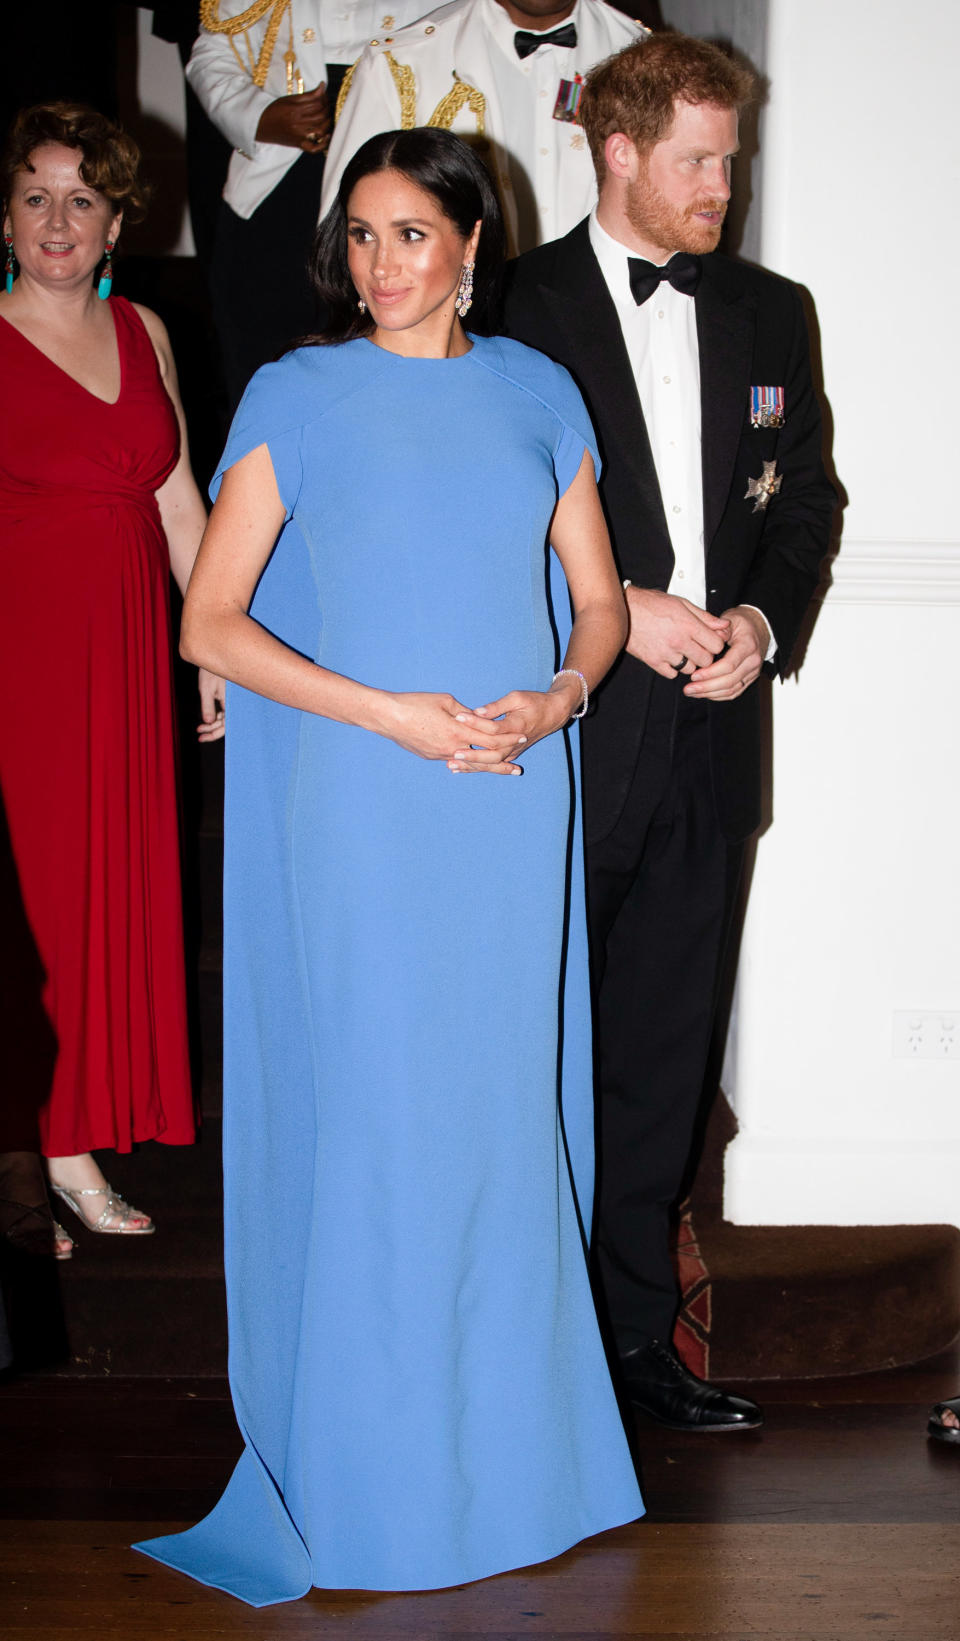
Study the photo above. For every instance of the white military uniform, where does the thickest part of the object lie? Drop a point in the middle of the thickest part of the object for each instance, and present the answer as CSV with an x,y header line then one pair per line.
x,y
234,89
458,68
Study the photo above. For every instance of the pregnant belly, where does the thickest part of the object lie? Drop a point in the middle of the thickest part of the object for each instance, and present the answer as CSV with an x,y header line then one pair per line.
x,y
371,813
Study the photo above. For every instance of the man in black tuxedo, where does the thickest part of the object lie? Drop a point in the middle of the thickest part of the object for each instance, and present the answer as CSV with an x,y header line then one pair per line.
x,y
696,372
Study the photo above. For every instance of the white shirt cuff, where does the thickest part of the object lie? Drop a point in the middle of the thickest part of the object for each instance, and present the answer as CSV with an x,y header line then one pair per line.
x,y
772,646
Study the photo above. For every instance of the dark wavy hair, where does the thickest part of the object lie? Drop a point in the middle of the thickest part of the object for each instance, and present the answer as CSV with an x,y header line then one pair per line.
x,y
447,169
110,160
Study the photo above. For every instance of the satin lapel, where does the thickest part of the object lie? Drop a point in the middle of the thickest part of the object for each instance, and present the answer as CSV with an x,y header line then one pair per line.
x,y
596,353
725,337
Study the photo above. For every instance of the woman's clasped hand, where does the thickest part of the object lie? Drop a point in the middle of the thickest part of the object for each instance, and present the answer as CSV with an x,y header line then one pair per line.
x,y
481,740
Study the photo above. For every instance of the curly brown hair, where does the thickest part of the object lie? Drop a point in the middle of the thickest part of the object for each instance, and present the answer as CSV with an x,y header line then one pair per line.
x,y
636,90
111,159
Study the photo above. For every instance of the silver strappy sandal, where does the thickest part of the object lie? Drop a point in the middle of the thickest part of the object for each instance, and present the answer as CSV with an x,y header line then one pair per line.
x,y
115,1208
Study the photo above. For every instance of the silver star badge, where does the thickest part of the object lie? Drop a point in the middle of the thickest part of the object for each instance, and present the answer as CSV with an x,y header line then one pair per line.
x,y
764,487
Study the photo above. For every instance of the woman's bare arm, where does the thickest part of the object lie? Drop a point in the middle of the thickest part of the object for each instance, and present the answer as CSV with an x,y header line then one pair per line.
x,y
183,517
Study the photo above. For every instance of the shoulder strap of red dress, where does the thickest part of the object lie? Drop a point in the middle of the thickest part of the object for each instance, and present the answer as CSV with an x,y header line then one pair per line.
x,y
133,338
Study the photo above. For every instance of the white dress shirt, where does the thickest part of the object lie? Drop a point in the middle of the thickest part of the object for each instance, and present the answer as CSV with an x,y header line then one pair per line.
x,y
661,340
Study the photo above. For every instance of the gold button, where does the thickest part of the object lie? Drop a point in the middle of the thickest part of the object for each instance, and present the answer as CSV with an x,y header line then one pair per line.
x,y
430,29
309,34
374,42
388,22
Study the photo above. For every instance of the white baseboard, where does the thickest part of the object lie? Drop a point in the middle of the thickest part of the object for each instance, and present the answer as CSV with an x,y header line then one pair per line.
x,y
783,1181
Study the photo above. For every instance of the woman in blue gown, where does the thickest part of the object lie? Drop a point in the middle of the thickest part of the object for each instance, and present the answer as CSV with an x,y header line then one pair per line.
x,y
414,1355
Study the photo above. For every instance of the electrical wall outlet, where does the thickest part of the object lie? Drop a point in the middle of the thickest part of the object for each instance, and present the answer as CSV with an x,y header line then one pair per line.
x,y
920,1034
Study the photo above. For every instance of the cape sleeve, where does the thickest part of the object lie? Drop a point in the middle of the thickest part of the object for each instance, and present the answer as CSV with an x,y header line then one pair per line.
x,y
264,416
557,391
576,430
568,454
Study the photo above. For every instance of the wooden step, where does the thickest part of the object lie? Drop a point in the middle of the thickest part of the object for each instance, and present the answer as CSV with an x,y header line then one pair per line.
x,y
805,1301
132,1305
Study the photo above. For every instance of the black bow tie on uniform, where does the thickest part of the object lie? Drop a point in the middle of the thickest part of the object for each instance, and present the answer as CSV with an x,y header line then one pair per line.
x,y
682,272
526,42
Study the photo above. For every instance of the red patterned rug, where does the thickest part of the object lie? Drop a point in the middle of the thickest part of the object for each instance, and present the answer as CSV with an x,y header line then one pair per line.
x,y
691,1335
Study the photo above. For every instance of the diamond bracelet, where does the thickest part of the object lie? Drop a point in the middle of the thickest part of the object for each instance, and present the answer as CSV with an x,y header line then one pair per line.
x,y
572,672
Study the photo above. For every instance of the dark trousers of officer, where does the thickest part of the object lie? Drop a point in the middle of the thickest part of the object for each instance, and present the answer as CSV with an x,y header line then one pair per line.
x,y
661,893
263,299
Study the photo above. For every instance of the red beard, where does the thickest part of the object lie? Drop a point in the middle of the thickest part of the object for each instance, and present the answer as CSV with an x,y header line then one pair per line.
x,y
652,215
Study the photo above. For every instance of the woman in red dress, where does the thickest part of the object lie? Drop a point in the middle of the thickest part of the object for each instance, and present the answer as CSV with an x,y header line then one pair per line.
x,y
97,505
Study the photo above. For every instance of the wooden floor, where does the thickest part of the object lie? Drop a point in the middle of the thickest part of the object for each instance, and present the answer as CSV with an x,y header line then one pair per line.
x,y
837,1521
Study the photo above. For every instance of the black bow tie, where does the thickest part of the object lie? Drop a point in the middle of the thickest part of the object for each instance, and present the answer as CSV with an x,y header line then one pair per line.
x,y
526,42
682,272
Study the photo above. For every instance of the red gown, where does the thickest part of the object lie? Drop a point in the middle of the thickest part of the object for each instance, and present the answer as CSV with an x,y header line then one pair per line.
x,y
87,749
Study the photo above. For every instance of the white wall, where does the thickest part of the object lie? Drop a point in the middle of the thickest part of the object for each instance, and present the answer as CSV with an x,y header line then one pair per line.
x,y
855,909
741,24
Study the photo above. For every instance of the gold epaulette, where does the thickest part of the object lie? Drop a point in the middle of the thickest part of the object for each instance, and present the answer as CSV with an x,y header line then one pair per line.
x,y
403,79
344,88
211,20
449,106
405,82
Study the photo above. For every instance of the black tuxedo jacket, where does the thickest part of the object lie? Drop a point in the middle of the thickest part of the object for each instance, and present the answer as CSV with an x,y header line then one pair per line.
x,y
751,331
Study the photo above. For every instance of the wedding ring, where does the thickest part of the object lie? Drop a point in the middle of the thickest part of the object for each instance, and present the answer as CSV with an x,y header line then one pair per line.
x,y
679,665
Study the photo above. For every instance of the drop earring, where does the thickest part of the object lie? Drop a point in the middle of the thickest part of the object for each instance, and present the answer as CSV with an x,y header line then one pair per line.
x,y
464,299
106,277
361,304
10,271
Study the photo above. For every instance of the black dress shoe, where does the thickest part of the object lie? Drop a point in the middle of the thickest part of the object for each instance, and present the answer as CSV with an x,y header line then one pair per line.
x,y
658,1383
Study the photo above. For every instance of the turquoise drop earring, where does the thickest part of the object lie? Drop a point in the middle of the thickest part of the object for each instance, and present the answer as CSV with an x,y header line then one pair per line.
x,y
9,271
106,278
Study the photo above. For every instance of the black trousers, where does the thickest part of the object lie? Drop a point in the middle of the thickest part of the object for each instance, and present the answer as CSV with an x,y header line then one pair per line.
x,y
263,299
661,892
259,280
